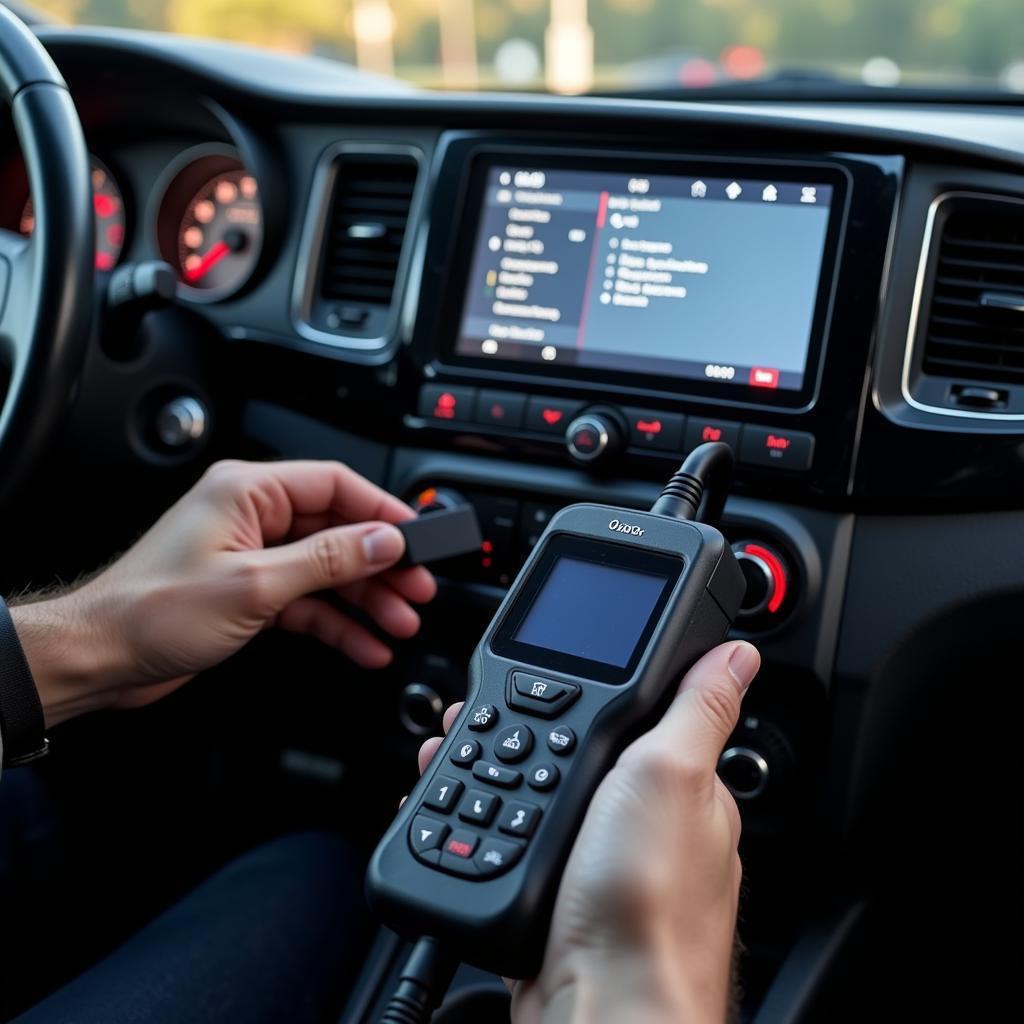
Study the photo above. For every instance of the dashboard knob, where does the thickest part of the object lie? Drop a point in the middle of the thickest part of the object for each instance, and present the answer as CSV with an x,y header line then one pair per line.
x,y
758,756
593,435
744,771
181,421
420,709
437,499
769,588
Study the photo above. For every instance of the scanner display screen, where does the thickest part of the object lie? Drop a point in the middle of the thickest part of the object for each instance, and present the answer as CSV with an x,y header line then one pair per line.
x,y
588,608
591,611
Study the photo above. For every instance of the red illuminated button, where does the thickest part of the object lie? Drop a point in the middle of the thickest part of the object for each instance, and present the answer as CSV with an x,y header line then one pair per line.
x,y
461,844
782,449
500,409
457,853
438,402
700,430
661,431
764,377
550,415
586,440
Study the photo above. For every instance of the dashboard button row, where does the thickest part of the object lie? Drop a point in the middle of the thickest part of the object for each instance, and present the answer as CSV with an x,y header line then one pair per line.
x,y
649,429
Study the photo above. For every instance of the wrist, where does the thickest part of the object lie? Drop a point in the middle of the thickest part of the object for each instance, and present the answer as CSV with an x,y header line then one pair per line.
x,y
73,663
646,986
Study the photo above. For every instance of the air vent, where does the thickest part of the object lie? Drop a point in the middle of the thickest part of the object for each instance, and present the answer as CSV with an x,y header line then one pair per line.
x,y
365,230
975,329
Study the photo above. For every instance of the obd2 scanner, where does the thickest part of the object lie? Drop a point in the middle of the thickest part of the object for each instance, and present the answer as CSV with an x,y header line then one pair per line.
x,y
584,654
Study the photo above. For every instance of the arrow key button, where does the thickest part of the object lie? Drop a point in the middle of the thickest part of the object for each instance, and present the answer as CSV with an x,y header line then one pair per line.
x,y
426,836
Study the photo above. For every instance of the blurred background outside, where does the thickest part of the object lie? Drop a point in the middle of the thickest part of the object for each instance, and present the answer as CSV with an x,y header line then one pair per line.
x,y
575,45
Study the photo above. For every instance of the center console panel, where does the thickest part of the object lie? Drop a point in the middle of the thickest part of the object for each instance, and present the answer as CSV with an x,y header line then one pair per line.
x,y
615,307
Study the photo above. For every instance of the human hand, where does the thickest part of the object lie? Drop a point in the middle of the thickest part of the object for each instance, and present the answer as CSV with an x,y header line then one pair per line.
x,y
644,921
243,550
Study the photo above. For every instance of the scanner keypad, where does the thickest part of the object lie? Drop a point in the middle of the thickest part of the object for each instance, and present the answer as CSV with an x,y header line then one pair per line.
x,y
489,824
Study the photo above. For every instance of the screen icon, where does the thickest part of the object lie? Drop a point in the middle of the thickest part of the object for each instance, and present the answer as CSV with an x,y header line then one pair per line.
x,y
764,377
734,190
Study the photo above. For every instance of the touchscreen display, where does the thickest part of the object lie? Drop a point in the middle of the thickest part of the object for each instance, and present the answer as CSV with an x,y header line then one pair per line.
x,y
705,278
591,611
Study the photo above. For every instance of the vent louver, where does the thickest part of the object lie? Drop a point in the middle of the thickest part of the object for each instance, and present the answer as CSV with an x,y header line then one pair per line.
x,y
365,230
975,327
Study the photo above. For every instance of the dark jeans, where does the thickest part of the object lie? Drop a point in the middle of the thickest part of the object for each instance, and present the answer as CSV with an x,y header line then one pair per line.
x,y
268,938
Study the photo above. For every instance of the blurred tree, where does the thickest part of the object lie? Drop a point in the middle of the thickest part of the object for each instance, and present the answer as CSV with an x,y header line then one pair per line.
x,y
929,38
297,25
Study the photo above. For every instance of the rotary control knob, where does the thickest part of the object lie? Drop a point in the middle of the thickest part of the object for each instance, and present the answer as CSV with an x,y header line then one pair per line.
x,y
181,422
420,709
593,435
769,587
758,756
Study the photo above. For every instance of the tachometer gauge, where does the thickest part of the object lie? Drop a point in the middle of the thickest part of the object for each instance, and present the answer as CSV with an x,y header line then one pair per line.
x,y
108,204
210,224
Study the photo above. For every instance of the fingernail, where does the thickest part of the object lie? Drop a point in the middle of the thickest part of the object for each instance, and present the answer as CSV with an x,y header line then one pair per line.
x,y
744,663
383,545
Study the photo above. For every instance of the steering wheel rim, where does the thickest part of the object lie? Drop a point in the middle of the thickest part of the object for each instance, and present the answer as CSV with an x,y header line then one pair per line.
x,y
46,281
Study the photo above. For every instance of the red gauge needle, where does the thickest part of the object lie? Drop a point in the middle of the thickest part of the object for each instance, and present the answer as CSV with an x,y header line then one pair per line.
x,y
208,262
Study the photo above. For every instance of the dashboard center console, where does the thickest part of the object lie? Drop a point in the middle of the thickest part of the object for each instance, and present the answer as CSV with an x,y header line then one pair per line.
x,y
628,305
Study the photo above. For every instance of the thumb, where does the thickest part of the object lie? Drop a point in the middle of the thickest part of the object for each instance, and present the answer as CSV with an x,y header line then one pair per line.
x,y
698,723
327,559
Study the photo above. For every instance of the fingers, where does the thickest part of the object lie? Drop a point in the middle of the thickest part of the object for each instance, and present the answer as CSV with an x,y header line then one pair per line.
x,y
391,612
280,493
316,618
415,584
698,723
427,751
429,748
450,715
322,561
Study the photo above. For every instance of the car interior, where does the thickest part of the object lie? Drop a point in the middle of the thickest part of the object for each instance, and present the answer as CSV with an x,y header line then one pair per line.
x,y
478,298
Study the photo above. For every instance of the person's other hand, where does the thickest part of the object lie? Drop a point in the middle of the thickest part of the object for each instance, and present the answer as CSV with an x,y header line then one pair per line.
x,y
644,923
248,547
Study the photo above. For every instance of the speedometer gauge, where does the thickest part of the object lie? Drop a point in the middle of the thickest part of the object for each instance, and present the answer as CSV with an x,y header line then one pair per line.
x,y
220,234
108,206
210,225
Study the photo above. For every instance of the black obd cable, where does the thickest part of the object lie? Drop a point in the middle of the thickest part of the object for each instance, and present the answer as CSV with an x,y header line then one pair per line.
x,y
698,489
422,984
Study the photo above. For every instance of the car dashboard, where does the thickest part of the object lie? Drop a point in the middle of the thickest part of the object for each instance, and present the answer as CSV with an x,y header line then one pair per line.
x,y
476,298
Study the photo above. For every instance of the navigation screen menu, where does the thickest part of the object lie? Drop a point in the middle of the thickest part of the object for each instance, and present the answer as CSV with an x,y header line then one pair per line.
x,y
705,278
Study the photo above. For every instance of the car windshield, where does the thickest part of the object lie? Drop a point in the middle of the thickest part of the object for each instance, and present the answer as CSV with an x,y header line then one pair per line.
x,y
572,46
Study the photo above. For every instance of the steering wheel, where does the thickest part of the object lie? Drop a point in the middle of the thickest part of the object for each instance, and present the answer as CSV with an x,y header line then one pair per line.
x,y
46,281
